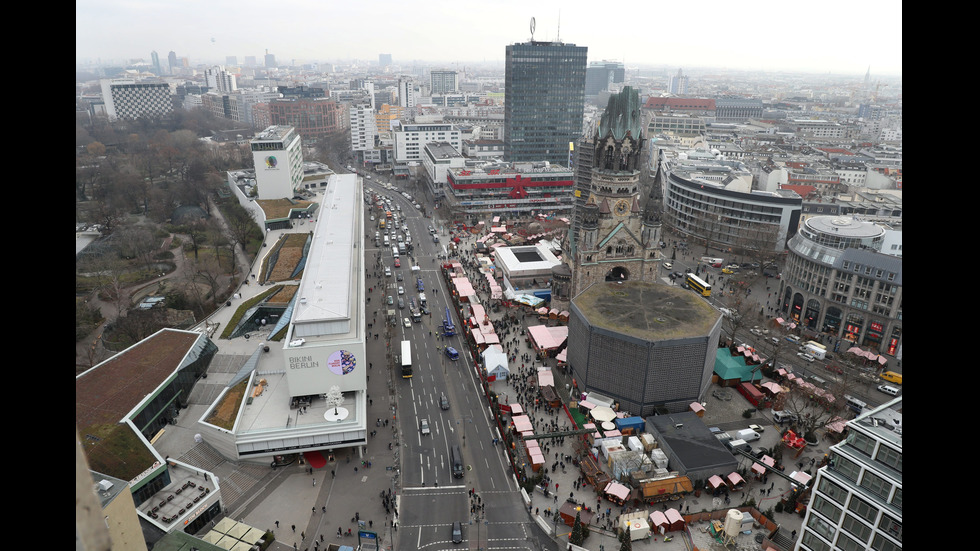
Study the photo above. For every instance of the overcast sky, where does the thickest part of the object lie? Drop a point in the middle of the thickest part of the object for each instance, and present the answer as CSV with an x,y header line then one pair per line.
x,y
827,36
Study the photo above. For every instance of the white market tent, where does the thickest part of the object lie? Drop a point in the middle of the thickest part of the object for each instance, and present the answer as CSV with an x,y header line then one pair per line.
x,y
495,363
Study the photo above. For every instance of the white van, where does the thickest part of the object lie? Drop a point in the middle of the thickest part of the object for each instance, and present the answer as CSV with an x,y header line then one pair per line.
x,y
888,389
387,242
783,416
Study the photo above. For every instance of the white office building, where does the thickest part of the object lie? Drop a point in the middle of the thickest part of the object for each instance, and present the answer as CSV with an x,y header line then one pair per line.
x,y
410,139
278,158
857,498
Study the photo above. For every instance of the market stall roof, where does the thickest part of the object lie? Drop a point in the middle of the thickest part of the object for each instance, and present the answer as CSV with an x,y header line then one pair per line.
x,y
548,338
735,479
562,356
522,423
545,377
603,413
618,490
463,286
516,408
715,481
674,516
695,407
657,518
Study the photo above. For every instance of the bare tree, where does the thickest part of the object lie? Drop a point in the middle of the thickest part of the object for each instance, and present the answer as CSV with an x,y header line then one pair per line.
x,y
136,242
241,224
334,398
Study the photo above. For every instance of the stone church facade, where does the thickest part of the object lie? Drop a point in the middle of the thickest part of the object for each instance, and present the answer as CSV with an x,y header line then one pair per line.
x,y
611,238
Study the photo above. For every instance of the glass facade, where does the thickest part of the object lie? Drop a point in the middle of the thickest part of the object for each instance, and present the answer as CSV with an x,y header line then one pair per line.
x,y
544,100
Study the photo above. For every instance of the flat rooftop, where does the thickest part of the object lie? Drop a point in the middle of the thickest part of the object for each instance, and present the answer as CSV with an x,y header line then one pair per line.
x,y
647,311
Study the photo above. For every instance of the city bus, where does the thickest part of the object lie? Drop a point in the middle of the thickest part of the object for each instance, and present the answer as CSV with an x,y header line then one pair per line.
x,y
406,360
699,285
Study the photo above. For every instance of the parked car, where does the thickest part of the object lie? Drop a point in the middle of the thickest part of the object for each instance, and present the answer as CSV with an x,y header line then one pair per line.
x,y
424,426
888,389
757,428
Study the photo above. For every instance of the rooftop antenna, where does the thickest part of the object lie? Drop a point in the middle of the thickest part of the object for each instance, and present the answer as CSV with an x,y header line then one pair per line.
x,y
559,26
532,29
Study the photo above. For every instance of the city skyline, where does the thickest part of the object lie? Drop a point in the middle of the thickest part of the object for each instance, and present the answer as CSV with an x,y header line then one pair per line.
x,y
837,38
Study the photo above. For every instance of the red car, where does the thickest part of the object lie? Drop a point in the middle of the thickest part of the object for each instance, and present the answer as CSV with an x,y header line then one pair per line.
x,y
398,263
835,368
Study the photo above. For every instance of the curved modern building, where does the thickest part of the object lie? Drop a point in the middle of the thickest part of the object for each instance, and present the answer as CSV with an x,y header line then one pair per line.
x,y
710,200
836,282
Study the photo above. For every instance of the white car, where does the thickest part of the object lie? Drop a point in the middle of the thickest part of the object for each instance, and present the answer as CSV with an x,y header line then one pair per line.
x,y
757,428
407,322
806,356
668,265
297,342
424,426
401,290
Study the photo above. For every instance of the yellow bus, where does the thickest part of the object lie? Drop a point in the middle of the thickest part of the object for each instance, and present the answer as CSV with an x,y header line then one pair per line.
x,y
698,284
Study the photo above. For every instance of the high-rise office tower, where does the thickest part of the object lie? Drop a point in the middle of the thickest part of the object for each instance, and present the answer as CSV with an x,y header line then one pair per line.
x,y
270,59
444,82
231,60
172,61
155,59
544,100
384,60
677,84
856,500
601,74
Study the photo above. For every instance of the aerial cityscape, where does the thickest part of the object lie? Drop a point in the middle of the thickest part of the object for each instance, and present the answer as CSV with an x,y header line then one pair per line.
x,y
555,285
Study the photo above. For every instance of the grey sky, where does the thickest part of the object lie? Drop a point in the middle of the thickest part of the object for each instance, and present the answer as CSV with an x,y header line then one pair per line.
x,y
836,36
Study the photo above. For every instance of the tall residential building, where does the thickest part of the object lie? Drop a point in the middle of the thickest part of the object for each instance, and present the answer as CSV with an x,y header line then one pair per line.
x,y
443,82
278,157
219,80
408,93
384,60
677,84
270,60
129,99
857,497
363,127
601,74
172,62
544,100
